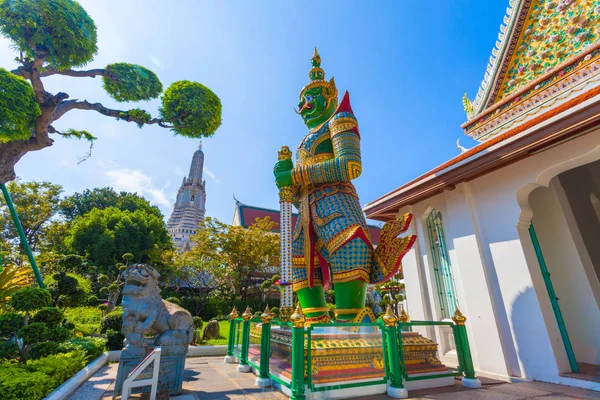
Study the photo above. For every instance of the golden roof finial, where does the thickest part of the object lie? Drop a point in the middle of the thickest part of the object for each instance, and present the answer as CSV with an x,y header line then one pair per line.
x,y
317,78
233,314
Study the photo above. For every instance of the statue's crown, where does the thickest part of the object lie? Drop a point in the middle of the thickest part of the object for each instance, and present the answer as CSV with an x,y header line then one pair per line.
x,y
317,79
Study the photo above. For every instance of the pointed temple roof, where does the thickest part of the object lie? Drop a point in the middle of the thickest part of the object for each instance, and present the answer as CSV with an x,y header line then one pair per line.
x,y
541,86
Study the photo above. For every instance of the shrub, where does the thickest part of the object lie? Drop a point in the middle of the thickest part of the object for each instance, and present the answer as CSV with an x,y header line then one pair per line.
x,y
198,323
10,323
33,333
36,379
112,321
86,319
114,339
44,349
8,350
92,346
92,300
51,316
174,300
30,299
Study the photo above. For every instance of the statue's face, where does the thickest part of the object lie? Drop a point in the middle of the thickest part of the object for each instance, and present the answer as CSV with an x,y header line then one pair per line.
x,y
314,108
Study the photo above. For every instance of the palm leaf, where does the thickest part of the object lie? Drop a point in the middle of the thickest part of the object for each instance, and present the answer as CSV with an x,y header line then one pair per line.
x,y
12,279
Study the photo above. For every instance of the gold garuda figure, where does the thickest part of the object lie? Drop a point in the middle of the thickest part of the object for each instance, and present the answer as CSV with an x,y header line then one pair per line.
x,y
331,241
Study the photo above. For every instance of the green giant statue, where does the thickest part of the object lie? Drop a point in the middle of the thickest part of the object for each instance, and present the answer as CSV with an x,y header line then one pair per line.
x,y
331,241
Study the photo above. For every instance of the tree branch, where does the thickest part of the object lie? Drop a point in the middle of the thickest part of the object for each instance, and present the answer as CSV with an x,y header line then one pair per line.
x,y
69,105
92,73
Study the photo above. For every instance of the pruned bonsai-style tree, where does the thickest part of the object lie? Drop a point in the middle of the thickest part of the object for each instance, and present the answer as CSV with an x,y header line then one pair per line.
x,y
54,36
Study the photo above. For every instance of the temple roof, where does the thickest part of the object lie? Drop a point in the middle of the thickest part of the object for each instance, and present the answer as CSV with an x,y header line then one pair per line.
x,y
537,37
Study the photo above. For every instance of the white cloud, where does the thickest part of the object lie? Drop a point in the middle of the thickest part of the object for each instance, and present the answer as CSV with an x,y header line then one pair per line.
x,y
156,62
211,174
133,180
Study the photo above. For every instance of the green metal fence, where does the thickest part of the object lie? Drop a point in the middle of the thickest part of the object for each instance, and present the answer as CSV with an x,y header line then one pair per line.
x,y
299,374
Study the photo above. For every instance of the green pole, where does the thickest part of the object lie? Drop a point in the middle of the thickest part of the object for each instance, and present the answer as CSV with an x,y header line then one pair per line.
x,y
464,351
229,357
263,379
15,218
297,384
243,366
396,387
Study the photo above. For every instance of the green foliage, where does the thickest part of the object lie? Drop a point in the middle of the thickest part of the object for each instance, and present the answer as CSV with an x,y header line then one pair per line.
x,y
33,333
112,321
37,378
79,134
104,235
86,319
66,289
10,323
12,279
127,257
30,299
114,339
44,349
62,29
131,82
102,279
50,316
173,300
92,300
36,204
192,108
198,323
8,350
93,346
18,109
82,203
140,116
275,310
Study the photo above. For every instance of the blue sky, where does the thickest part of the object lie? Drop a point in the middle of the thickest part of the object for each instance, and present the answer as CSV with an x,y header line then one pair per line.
x,y
405,63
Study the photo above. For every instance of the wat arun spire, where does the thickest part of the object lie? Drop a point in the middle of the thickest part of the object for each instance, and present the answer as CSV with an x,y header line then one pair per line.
x,y
190,205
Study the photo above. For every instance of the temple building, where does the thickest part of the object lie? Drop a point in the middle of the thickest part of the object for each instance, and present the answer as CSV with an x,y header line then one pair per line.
x,y
190,205
508,231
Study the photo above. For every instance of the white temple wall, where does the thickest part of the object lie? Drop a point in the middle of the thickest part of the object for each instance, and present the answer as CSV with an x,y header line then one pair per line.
x,y
512,328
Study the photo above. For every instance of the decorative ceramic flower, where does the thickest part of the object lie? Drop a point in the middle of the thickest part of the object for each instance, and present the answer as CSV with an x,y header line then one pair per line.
x,y
571,29
554,38
511,83
597,10
534,66
531,53
550,5
581,37
587,58
544,54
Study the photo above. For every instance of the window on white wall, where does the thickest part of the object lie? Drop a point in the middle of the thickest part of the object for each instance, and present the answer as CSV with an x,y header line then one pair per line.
x,y
442,267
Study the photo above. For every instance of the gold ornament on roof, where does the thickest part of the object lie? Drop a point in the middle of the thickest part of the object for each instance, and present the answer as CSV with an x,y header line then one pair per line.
x,y
317,79
458,317
389,318
233,314
247,315
297,318
467,105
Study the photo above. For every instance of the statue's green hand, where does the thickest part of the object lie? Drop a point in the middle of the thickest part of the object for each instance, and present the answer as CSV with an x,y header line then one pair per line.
x,y
283,165
283,178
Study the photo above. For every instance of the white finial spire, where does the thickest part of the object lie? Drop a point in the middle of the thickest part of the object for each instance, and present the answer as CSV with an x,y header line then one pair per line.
x,y
200,145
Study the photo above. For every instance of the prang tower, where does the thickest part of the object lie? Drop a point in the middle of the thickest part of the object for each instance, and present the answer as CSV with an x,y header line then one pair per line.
x,y
190,205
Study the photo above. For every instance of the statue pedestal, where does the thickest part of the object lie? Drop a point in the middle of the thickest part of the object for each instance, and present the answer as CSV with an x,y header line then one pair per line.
x,y
172,365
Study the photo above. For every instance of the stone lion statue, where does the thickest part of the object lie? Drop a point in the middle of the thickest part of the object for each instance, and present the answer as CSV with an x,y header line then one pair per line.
x,y
145,313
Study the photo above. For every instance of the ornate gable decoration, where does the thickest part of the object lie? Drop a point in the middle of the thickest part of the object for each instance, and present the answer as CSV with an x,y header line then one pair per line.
x,y
541,39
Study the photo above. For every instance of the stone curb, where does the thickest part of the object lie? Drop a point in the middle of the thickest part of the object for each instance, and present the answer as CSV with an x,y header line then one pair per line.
x,y
67,388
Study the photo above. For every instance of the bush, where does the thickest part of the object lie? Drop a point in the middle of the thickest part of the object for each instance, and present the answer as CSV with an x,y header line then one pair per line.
x,y
44,349
8,350
86,319
92,300
33,333
36,379
10,323
114,339
30,299
173,300
92,346
112,321
51,316
198,323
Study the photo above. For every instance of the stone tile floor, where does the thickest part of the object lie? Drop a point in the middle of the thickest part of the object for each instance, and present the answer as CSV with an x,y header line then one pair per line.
x,y
209,378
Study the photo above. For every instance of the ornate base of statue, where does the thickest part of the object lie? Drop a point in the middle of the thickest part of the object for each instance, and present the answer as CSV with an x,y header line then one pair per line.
x,y
172,365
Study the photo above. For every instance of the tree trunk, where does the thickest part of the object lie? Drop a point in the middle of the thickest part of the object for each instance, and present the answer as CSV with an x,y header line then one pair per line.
x,y
12,152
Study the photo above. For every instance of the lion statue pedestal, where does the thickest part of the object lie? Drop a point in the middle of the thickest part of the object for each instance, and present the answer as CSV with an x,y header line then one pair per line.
x,y
148,322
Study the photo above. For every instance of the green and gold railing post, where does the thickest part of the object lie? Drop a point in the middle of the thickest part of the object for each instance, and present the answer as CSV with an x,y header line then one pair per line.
x,y
24,243
263,379
463,351
297,385
243,366
395,388
229,357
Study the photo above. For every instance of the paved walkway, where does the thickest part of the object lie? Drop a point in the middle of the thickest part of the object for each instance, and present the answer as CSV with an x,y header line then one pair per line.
x,y
209,378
